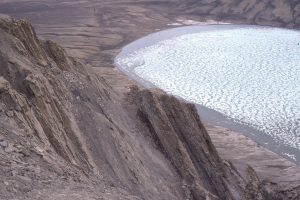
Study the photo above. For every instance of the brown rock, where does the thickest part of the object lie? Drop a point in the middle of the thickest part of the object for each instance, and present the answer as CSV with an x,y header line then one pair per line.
x,y
94,137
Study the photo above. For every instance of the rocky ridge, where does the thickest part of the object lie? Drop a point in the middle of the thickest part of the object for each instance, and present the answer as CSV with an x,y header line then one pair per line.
x,y
66,133
282,13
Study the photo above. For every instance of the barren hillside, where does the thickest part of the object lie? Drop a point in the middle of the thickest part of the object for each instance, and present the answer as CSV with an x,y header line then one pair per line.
x,y
69,130
95,30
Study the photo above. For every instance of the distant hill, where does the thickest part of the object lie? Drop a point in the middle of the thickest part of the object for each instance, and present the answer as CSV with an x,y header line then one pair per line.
x,y
74,129
284,13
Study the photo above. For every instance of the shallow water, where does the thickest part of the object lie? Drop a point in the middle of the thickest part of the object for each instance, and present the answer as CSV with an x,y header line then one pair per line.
x,y
250,74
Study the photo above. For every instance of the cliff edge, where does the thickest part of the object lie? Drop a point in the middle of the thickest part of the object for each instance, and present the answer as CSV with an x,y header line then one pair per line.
x,y
67,133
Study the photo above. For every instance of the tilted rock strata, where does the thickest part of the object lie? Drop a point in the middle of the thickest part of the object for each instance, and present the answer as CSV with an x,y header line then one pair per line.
x,y
65,133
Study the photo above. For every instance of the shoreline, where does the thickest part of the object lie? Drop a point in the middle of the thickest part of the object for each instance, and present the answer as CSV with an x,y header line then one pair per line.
x,y
87,124
206,114
232,146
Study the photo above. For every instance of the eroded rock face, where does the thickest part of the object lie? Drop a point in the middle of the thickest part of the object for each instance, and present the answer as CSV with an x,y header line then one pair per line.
x,y
66,133
285,13
63,128
178,132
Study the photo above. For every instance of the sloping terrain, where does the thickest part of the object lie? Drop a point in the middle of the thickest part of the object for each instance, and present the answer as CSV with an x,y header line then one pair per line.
x,y
61,126
95,30
283,13
67,134
69,131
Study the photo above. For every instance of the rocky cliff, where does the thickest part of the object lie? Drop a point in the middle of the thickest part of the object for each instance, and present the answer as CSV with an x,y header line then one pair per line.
x,y
67,133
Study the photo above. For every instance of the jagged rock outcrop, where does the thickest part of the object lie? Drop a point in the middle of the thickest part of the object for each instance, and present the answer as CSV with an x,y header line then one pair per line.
x,y
66,133
176,129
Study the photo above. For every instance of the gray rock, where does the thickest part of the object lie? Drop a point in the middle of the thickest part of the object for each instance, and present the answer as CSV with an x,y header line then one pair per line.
x,y
3,143
116,141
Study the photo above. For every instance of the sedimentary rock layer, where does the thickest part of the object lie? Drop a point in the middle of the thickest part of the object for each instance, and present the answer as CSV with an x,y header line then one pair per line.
x,y
69,131
66,133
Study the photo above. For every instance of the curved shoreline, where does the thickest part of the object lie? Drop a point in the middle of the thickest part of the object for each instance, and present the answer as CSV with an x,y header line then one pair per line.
x,y
208,115
94,32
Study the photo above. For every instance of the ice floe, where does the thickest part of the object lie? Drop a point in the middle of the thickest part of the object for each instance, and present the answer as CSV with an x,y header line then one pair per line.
x,y
250,74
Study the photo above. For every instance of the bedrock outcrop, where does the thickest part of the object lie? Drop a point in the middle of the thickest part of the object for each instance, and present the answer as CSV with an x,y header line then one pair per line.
x,y
66,132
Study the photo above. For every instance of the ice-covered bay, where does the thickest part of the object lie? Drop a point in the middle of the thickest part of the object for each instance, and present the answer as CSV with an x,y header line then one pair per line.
x,y
250,74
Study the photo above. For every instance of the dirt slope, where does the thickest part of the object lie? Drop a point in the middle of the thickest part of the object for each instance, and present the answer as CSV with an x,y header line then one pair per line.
x,y
66,134
68,131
